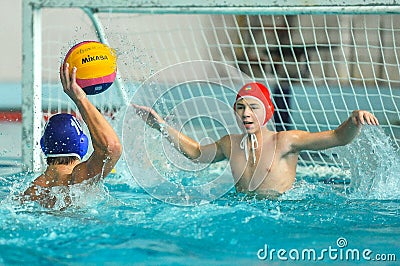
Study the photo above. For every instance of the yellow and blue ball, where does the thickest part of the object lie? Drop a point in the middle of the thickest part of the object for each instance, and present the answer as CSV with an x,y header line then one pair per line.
x,y
96,65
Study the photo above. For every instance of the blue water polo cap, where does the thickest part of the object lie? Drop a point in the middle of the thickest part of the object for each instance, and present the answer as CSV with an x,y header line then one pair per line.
x,y
63,136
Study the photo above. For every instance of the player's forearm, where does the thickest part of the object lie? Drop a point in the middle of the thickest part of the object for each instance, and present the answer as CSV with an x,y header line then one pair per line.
x,y
187,146
346,132
102,134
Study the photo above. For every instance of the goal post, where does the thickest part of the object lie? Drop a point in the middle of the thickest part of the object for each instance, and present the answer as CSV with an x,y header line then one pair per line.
x,y
320,60
31,86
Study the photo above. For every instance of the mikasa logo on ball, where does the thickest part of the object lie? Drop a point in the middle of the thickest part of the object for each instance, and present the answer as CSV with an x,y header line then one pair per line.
x,y
96,65
93,58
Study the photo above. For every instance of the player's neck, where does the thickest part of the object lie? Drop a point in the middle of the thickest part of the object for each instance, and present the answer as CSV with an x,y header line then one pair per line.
x,y
261,133
59,170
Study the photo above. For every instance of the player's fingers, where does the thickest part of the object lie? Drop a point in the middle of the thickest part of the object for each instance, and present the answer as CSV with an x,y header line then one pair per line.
x,y
374,120
73,75
62,74
66,76
368,120
361,118
371,119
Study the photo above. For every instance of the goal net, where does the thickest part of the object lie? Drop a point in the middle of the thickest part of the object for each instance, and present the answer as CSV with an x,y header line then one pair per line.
x,y
319,62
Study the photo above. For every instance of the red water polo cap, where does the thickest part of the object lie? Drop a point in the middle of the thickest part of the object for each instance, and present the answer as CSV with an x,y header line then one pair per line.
x,y
259,92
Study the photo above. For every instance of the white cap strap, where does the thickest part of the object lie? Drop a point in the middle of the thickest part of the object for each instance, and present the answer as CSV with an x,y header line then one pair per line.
x,y
254,146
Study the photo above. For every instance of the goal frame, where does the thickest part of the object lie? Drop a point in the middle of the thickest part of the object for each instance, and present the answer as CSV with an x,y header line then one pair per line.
x,y
32,40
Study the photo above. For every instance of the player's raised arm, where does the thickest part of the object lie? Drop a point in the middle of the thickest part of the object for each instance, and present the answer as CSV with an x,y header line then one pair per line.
x,y
106,144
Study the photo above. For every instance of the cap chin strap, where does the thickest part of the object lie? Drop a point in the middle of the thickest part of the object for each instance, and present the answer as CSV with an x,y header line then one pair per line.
x,y
254,146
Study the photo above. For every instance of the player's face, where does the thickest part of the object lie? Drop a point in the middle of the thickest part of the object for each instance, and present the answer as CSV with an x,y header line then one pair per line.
x,y
250,114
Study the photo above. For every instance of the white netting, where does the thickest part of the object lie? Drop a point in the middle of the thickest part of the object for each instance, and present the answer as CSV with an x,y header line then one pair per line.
x,y
318,67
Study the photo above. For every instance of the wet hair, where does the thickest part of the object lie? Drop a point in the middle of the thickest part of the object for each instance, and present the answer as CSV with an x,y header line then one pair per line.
x,y
65,160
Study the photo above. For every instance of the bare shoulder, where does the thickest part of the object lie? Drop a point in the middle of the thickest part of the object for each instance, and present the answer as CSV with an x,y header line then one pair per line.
x,y
94,169
226,142
289,135
81,173
229,140
287,141
33,190
40,181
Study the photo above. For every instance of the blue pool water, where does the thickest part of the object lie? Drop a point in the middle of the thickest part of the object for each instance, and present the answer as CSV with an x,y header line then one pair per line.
x,y
328,216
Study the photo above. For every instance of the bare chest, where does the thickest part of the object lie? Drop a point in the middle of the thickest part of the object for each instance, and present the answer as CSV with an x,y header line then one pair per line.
x,y
269,171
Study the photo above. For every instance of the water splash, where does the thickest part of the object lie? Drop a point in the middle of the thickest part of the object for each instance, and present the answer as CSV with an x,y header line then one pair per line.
x,y
374,164
79,196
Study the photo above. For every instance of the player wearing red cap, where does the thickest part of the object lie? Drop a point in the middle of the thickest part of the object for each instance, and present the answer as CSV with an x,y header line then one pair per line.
x,y
262,161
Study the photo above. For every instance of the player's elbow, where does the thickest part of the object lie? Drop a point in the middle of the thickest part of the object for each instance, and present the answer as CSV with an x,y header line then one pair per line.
x,y
193,153
111,148
208,154
114,149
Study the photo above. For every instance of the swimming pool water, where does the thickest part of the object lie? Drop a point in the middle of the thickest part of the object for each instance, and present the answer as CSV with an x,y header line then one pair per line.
x,y
124,225
118,223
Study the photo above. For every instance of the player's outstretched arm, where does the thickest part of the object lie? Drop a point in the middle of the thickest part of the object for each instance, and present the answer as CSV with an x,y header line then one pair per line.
x,y
184,144
344,134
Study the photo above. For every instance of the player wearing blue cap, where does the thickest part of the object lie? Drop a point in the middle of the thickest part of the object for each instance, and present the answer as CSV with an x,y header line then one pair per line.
x,y
63,137
65,144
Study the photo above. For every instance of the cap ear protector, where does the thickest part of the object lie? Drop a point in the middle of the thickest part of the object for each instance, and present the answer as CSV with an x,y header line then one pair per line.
x,y
63,136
